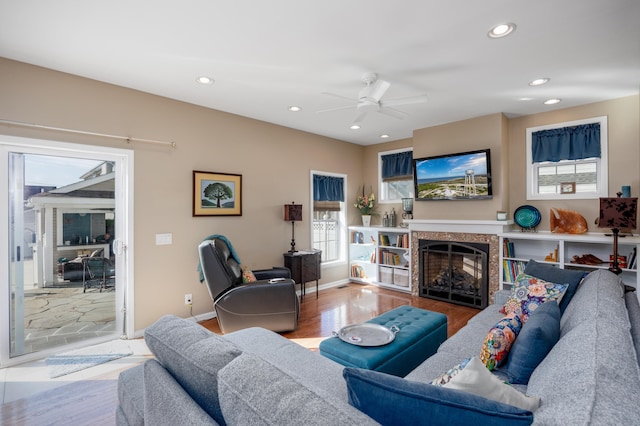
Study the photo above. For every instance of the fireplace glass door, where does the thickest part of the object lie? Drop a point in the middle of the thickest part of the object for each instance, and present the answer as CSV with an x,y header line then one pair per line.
x,y
454,272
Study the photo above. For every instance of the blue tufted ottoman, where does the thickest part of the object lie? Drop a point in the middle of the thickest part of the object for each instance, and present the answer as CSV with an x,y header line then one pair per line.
x,y
421,333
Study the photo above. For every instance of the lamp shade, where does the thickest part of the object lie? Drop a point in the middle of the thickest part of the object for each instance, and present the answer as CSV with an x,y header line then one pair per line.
x,y
292,212
618,213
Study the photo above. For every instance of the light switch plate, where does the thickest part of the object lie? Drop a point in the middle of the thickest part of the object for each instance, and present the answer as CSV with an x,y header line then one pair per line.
x,y
164,239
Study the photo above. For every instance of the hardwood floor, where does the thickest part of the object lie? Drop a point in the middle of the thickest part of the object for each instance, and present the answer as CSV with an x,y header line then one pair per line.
x,y
86,402
356,303
93,402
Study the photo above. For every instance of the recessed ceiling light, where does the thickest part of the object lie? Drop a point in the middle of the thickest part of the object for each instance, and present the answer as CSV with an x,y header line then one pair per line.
x,y
552,101
539,81
525,99
354,127
294,108
501,30
205,80
384,136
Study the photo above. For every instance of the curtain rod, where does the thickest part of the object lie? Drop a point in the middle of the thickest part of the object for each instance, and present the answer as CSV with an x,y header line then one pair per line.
x,y
127,139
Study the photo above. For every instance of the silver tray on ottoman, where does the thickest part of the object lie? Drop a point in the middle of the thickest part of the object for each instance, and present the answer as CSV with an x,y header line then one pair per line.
x,y
367,334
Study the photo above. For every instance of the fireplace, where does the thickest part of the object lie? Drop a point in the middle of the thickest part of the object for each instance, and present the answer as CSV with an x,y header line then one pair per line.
x,y
455,272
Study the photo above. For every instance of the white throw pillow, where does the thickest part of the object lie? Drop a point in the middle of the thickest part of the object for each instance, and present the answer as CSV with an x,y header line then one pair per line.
x,y
476,379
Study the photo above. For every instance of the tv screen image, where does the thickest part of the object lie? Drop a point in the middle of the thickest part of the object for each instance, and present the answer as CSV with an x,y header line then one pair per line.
x,y
461,176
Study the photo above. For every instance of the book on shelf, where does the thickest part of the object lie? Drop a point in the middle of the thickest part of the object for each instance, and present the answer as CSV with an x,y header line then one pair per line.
x,y
511,269
390,258
357,271
403,241
632,259
357,237
508,248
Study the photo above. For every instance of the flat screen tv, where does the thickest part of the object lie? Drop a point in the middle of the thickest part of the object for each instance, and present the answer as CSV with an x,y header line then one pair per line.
x,y
461,176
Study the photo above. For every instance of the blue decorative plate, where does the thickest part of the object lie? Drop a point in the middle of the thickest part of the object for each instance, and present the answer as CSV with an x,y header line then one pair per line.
x,y
527,217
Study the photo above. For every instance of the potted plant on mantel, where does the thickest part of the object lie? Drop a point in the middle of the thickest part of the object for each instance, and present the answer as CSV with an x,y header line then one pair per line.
x,y
366,205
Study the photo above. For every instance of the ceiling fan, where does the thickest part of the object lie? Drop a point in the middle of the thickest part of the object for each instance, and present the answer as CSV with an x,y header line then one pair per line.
x,y
370,99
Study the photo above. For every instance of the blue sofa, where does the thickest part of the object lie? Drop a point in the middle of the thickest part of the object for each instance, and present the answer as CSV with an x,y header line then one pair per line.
x,y
591,376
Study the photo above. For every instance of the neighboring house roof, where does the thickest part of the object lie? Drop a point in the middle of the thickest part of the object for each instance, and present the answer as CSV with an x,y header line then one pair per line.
x,y
96,192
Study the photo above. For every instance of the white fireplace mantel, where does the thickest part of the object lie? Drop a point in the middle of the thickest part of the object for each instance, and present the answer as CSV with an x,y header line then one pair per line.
x,y
494,227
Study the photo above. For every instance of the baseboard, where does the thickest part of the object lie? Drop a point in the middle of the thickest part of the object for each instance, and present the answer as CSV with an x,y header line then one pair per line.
x,y
195,318
312,288
212,314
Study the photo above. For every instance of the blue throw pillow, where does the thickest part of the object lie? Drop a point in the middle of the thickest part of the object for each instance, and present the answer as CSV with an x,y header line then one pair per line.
x,y
553,274
392,400
536,339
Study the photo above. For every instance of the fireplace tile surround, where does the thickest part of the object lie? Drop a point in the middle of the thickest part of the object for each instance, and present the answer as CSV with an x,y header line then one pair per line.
x,y
468,231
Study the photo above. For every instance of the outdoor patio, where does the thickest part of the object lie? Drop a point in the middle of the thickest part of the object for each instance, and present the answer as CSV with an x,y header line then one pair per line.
x,y
62,314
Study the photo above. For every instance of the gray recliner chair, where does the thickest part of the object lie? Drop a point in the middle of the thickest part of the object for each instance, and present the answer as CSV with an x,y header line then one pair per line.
x,y
271,302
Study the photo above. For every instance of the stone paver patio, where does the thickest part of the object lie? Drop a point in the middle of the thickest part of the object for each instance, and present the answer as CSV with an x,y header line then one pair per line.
x,y
61,314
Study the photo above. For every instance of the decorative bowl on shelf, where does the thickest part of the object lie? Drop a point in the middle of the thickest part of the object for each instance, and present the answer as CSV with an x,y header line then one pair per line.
x,y
527,217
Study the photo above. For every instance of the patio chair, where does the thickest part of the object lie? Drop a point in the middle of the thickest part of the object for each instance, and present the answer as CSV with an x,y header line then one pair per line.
x,y
97,272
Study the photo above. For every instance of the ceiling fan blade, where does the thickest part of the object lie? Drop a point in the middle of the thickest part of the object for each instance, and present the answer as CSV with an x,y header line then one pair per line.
x,y
378,89
360,114
339,96
392,112
405,101
336,109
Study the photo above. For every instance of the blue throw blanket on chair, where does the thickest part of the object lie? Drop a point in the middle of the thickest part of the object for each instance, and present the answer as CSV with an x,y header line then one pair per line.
x,y
231,249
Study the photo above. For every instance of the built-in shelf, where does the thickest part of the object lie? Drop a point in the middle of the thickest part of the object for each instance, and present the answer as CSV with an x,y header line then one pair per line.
x,y
562,250
380,256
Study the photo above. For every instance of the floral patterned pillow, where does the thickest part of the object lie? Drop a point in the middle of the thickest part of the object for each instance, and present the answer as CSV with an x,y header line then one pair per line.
x,y
528,293
247,275
499,340
446,377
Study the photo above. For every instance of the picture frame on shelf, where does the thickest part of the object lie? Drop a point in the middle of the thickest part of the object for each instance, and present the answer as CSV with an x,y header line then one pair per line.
x,y
568,188
217,194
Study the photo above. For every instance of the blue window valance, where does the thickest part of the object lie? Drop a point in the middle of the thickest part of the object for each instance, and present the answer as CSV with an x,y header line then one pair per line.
x,y
398,165
328,188
566,143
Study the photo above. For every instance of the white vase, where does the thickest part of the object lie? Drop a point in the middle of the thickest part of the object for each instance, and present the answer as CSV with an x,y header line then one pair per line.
x,y
366,220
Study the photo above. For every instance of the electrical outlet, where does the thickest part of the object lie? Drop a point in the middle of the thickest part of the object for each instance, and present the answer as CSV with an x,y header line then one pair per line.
x,y
188,299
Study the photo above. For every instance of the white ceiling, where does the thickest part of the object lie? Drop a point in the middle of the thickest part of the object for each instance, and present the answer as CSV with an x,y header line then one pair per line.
x,y
268,55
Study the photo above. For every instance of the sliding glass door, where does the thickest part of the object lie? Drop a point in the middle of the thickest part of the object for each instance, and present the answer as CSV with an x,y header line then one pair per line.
x,y
65,267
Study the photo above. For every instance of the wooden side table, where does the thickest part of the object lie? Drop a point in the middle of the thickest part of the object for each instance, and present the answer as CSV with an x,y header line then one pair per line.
x,y
304,266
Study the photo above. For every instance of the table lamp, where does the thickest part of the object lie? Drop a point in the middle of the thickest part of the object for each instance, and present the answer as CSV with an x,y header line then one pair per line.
x,y
617,213
293,213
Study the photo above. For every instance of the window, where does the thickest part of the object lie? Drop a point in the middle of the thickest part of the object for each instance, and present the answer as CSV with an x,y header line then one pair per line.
x,y
567,160
328,215
395,171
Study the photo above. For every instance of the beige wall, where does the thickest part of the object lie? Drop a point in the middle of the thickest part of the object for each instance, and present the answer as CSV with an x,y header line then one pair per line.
x,y
507,140
476,133
624,154
274,161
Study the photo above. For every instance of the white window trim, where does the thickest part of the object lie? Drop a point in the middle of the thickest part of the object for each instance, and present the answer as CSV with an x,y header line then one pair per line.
x,y
602,163
380,155
342,245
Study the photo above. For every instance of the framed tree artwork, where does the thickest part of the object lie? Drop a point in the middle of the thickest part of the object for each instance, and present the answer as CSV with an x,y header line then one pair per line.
x,y
217,194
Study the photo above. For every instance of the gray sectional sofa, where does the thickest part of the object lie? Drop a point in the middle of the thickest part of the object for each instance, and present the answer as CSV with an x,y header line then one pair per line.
x,y
591,376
